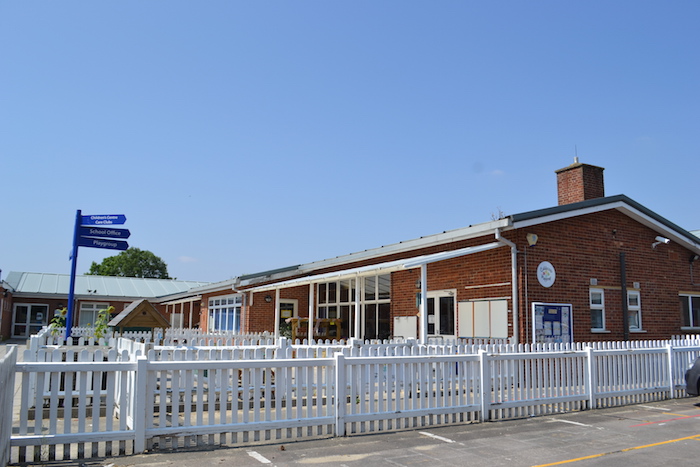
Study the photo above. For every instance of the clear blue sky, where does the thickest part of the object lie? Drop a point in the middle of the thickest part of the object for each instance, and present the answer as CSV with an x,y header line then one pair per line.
x,y
241,136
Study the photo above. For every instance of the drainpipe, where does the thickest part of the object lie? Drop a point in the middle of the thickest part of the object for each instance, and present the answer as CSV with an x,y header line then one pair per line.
x,y
514,284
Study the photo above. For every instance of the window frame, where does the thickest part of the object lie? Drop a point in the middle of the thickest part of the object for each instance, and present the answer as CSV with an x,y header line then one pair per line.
x,y
94,312
688,309
599,307
233,304
637,309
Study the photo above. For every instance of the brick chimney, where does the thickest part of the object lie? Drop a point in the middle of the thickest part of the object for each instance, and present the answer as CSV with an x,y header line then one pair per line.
x,y
579,182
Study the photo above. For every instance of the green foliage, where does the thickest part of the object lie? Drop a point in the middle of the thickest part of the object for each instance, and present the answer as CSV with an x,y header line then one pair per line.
x,y
133,262
100,329
58,321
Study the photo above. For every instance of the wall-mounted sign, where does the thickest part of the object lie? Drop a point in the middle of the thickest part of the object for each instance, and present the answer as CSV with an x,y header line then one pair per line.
x,y
551,322
546,274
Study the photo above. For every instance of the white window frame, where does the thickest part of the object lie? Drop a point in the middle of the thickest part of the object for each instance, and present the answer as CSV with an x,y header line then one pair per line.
x,y
597,307
329,305
94,313
634,309
688,308
28,324
226,308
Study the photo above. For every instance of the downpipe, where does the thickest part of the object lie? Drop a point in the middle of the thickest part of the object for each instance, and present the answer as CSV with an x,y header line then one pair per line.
x,y
514,283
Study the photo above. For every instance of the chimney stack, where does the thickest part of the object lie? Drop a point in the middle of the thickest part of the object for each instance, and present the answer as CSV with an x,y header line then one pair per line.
x,y
579,182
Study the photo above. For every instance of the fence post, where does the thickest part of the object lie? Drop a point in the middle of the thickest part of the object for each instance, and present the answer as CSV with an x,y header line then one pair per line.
x,y
139,404
671,383
7,392
340,396
591,382
485,385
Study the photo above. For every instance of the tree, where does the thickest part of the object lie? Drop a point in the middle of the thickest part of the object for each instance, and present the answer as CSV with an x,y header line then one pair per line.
x,y
131,263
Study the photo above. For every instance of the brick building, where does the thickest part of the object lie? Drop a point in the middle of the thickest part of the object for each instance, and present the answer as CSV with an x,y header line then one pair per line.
x,y
28,301
591,268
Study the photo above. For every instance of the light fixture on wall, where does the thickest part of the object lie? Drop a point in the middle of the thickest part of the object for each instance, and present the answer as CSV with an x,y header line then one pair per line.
x,y
694,258
531,239
268,298
660,240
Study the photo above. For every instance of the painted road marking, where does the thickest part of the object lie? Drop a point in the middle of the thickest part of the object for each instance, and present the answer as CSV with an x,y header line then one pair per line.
x,y
697,437
666,421
654,408
440,438
259,457
569,421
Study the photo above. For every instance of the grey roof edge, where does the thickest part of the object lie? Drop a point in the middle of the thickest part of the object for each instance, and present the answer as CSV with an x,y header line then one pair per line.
x,y
598,202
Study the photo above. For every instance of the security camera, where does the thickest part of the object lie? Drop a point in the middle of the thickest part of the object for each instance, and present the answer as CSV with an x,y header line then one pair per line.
x,y
660,240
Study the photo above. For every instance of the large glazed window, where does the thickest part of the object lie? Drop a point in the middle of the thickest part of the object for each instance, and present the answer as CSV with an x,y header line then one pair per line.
x,y
336,300
225,313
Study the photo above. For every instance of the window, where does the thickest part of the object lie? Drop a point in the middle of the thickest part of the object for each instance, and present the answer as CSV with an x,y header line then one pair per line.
x,y
634,311
690,308
336,300
597,307
89,312
29,319
225,313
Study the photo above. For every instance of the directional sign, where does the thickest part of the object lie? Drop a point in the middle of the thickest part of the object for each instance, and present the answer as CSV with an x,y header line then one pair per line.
x,y
102,243
103,232
103,219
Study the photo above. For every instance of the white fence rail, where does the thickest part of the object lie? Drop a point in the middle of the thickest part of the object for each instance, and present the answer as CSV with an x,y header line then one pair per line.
x,y
94,403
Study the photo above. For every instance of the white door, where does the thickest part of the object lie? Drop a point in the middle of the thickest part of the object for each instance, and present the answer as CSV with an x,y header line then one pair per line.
x,y
441,314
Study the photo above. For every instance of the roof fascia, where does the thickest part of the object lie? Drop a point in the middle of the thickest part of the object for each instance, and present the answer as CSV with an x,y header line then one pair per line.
x,y
621,203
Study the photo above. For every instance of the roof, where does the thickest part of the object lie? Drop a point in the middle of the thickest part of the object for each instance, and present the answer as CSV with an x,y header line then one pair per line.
x,y
621,203
98,286
139,313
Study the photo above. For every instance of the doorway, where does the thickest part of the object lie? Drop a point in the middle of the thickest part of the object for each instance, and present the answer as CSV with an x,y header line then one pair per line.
x,y
441,313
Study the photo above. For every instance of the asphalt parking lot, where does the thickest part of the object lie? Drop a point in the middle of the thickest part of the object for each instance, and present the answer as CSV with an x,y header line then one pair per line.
x,y
658,433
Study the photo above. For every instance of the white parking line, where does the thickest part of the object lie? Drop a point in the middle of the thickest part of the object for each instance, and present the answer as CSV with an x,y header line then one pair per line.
x,y
440,438
259,458
569,421
663,409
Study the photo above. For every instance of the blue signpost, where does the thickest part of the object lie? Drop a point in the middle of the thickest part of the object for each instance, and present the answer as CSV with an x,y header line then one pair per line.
x,y
93,232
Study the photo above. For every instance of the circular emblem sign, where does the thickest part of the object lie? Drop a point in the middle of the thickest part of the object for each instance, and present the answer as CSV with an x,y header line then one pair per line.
x,y
546,274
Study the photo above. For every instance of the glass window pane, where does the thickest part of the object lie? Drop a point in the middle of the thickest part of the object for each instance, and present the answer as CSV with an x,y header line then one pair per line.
x,y
332,292
370,287
596,298
447,315
385,287
344,291
322,293
370,322
21,313
633,299
696,311
597,319
384,321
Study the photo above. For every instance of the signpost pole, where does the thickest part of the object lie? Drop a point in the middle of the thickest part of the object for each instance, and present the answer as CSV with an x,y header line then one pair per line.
x,y
73,266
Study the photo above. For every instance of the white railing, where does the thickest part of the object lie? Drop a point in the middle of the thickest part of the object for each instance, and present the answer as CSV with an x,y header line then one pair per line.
x,y
99,403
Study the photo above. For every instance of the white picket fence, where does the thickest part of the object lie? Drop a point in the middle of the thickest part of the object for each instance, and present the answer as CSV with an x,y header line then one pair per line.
x,y
98,401
7,387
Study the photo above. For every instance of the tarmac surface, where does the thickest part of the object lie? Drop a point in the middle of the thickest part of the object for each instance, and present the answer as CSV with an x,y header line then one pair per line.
x,y
657,433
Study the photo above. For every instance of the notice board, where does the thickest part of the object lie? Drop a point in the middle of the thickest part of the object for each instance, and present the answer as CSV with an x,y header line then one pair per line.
x,y
552,322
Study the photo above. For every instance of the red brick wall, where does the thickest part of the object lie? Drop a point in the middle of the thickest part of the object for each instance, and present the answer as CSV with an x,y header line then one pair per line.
x,y
579,182
588,247
580,249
